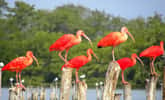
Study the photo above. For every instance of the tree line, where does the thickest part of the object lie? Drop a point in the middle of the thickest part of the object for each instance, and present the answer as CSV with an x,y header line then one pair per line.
x,y
23,27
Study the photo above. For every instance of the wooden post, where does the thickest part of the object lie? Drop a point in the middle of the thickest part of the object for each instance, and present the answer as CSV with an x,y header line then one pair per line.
x,y
97,91
102,89
151,88
164,84
111,79
35,95
82,90
117,96
53,94
16,93
74,95
66,83
1,65
0,81
28,93
56,92
42,94
127,92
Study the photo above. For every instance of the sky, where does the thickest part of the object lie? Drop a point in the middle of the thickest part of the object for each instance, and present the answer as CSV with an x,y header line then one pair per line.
x,y
125,8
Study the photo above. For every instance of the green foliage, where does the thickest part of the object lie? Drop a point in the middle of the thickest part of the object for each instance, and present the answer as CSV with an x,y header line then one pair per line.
x,y
26,28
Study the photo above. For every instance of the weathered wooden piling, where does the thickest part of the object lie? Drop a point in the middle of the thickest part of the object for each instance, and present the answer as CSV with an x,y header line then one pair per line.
x,y
53,94
74,93
0,80
127,92
35,94
1,65
163,84
101,89
111,79
42,94
117,96
66,83
29,93
16,93
151,87
97,92
82,90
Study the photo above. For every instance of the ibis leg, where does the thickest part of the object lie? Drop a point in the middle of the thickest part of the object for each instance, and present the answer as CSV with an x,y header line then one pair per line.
x,y
21,85
77,79
153,68
113,54
123,81
61,56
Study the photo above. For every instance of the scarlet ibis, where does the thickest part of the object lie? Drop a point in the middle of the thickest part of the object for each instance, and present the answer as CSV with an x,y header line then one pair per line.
x,y
114,38
79,61
126,63
66,41
153,52
18,64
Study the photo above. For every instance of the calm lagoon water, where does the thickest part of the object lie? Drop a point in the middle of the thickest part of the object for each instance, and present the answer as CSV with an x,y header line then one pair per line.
x,y
137,94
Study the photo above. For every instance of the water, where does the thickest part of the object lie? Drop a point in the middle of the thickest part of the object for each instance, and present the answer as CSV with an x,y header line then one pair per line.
x,y
137,94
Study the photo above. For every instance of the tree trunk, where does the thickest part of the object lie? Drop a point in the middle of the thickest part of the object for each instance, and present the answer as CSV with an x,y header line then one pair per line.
x,y
82,90
111,79
66,83
127,92
151,88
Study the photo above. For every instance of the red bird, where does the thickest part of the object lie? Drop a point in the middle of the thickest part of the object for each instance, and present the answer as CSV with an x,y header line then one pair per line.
x,y
126,63
79,61
114,38
66,42
18,64
153,52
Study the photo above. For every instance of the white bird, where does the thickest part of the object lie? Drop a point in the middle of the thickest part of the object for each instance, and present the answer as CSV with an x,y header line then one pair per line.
x,y
82,76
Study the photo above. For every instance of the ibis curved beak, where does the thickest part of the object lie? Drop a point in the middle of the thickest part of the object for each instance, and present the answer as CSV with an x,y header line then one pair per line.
x,y
131,36
88,40
36,60
140,61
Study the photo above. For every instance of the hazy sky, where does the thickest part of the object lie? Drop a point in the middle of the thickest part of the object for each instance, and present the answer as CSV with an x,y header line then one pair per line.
x,y
125,8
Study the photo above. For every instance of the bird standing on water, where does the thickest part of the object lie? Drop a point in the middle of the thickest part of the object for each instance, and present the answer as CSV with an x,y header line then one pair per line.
x,y
66,41
18,64
115,38
126,63
153,52
79,61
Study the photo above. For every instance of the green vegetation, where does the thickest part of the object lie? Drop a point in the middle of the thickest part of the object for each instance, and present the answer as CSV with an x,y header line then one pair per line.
x,y
25,28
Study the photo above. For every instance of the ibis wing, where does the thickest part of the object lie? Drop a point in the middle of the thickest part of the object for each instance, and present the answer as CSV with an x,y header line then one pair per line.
x,y
78,61
110,39
151,51
124,63
15,64
62,41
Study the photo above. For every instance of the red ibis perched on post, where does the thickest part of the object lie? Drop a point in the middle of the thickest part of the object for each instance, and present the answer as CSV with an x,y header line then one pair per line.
x,y
18,64
79,61
126,63
115,38
153,52
66,41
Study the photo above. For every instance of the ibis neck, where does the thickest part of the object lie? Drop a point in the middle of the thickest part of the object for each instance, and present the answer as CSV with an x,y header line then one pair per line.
x,y
133,60
89,56
162,47
78,36
29,60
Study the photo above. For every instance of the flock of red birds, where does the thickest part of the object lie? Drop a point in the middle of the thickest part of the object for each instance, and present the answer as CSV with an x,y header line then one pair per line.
x,y
65,42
